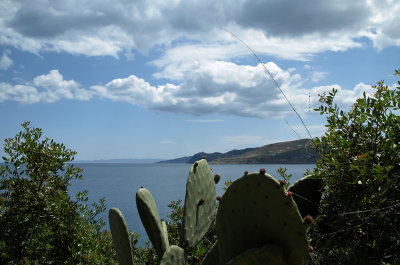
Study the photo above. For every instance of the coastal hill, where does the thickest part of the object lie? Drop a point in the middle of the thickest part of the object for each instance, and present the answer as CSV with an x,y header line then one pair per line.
x,y
290,152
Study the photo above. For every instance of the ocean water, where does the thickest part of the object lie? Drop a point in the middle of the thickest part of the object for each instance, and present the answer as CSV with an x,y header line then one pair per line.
x,y
118,183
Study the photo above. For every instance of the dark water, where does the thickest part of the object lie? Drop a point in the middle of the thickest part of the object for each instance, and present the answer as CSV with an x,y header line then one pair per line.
x,y
167,182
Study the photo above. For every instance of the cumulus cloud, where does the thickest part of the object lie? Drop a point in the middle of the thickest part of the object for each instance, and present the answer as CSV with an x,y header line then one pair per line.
x,y
20,93
344,97
47,88
196,61
273,27
318,76
214,87
385,23
226,88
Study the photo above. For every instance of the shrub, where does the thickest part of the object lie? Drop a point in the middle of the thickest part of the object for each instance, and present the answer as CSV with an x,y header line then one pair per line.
x,y
147,254
197,253
359,160
39,222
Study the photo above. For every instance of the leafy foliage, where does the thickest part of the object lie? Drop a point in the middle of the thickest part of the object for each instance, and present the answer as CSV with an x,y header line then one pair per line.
x,y
196,254
285,176
142,255
39,222
147,255
359,162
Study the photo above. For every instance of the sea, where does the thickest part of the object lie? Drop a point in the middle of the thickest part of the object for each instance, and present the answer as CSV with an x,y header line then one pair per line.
x,y
118,183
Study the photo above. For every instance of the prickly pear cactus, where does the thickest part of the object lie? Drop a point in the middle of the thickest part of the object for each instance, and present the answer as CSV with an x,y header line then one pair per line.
x,y
256,211
165,234
200,205
173,256
307,193
267,255
120,236
151,221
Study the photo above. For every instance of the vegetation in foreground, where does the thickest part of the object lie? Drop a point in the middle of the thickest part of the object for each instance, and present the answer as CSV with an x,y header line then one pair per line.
x,y
357,222
39,222
359,217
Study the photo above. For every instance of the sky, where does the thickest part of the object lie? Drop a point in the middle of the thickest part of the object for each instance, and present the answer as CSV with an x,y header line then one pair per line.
x,y
165,79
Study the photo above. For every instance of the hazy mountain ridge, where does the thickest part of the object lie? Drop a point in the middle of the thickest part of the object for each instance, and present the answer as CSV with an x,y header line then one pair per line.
x,y
290,152
122,160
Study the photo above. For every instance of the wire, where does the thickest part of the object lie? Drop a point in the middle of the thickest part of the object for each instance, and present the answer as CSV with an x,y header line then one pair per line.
x,y
270,75
291,127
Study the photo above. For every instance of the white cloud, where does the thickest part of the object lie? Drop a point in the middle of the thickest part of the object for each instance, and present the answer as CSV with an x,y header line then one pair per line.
x,y
284,28
226,88
213,87
44,88
344,97
20,93
177,61
137,91
5,62
385,23
318,76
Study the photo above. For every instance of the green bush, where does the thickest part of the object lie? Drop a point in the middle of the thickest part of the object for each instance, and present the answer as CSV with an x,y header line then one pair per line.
x,y
39,222
174,222
147,254
359,163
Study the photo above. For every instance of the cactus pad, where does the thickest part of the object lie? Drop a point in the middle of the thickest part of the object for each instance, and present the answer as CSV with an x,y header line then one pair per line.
x,y
255,211
200,205
151,220
165,233
120,236
267,255
212,256
307,195
173,256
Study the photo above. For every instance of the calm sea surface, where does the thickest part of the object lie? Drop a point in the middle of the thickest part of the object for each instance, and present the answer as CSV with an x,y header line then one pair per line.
x,y
167,182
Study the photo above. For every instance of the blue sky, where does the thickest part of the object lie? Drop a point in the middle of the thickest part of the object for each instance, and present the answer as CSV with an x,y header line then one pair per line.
x,y
164,79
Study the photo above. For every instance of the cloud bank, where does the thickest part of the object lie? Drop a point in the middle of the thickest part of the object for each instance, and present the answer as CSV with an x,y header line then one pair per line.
x,y
104,28
216,87
197,57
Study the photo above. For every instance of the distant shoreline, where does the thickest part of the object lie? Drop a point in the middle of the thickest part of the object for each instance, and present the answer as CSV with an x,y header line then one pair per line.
x,y
296,152
289,152
120,161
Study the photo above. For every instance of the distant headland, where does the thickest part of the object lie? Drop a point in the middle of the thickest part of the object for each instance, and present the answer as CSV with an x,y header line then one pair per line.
x,y
290,152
